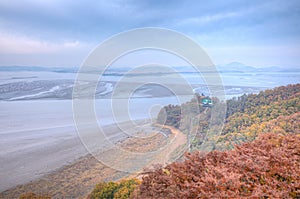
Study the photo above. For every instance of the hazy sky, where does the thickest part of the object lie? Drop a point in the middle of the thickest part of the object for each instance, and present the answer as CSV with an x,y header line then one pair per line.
x,y
62,33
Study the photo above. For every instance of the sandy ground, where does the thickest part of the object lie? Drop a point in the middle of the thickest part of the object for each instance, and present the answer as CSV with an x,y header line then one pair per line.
x,y
77,179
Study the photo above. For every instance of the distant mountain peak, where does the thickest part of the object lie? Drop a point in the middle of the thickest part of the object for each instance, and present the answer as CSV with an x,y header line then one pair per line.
x,y
236,66
235,63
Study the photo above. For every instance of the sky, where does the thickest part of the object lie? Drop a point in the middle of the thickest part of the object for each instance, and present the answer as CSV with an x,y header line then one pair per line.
x,y
63,33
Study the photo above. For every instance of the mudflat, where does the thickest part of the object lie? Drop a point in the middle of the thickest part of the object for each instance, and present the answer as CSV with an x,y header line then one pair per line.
x,y
78,178
29,155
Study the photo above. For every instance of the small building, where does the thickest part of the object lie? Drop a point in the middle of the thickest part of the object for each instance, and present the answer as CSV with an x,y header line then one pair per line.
x,y
207,102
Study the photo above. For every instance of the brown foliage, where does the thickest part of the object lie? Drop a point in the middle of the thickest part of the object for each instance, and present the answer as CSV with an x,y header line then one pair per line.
x,y
268,167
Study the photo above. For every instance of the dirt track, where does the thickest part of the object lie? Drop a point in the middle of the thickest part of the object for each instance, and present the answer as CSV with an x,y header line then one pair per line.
x,y
178,139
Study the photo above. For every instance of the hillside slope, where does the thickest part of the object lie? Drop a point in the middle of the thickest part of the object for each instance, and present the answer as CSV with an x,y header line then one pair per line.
x,y
246,117
262,133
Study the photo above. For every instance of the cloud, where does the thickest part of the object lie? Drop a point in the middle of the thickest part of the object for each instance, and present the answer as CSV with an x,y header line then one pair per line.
x,y
93,20
10,44
54,26
22,50
57,20
202,20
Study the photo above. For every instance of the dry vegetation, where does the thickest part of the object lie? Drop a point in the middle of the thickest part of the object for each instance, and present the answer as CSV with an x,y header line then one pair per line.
x,y
268,167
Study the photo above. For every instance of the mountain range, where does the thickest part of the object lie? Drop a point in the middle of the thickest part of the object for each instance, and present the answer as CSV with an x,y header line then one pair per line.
x,y
231,67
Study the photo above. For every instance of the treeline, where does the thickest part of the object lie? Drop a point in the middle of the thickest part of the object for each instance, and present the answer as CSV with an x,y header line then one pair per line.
x,y
274,110
245,117
249,103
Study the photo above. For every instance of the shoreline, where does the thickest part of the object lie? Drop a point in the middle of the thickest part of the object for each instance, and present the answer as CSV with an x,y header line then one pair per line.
x,y
78,178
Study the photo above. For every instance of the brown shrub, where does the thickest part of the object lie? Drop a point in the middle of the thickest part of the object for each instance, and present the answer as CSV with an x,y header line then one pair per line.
x,y
268,167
